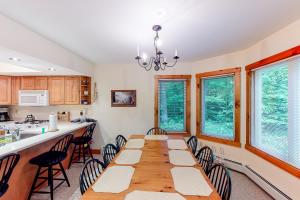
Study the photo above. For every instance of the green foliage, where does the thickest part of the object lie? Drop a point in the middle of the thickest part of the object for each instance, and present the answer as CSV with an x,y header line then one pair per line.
x,y
217,110
172,105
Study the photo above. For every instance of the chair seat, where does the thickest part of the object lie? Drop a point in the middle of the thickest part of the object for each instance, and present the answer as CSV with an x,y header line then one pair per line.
x,y
48,158
3,189
81,140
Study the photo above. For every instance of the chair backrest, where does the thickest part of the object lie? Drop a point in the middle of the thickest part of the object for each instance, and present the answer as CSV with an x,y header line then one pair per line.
x,y
205,157
89,174
63,144
220,178
7,165
193,143
110,151
157,131
88,133
120,142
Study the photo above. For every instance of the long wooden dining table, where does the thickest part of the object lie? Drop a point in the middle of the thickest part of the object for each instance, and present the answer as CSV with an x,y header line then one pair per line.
x,y
152,173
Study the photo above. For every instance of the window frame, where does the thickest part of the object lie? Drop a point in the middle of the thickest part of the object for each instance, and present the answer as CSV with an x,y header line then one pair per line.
x,y
187,78
249,74
236,72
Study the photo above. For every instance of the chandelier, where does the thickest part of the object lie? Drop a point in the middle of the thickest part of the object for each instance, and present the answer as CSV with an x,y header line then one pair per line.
x,y
158,61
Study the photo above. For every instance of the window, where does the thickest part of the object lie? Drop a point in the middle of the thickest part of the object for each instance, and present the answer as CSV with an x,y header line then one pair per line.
x,y
274,110
172,99
218,112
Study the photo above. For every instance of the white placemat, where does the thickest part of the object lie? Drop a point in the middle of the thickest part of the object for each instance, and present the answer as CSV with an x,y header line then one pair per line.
x,y
145,195
156,137
176,144
181,158
135,144
129,157
115,179
190,181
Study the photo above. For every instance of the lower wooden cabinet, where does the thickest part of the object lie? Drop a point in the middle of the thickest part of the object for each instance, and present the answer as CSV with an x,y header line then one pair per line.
x,y
5,88
72,90
56,88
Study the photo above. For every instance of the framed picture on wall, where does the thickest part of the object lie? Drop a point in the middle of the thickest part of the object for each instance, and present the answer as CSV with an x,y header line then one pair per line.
x,y
123,98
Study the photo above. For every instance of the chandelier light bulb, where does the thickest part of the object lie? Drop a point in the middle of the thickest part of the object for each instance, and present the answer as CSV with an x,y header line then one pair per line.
x,y
144,56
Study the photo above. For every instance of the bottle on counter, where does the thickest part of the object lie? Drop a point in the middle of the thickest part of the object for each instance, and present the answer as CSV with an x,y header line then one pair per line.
x,y
52,123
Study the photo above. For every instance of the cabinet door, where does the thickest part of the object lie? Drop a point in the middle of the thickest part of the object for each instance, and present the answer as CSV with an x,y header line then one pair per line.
x,y
72,90
41,83
27,83
56,89
15,87
5,90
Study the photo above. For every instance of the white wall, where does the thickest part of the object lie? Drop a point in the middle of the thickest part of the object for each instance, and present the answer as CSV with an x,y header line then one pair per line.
x,y
138,119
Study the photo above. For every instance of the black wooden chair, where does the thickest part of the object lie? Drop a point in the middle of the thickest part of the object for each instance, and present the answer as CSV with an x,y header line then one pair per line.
x,y
193,143
205,157
157,131
89,174
47,160
120,142
82,145
220,178
110,151
7,165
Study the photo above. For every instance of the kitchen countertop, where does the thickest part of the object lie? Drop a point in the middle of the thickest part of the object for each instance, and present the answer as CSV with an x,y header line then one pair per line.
x,y
63,128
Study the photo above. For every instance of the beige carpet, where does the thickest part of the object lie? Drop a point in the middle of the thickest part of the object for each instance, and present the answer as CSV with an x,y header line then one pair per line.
x,y
242,187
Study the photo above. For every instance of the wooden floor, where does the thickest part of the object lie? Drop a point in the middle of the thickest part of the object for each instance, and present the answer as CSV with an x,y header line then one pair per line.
x,y
152,173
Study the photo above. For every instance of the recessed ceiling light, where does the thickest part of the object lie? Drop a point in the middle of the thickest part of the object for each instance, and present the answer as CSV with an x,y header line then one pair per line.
x,y
52,69
14,59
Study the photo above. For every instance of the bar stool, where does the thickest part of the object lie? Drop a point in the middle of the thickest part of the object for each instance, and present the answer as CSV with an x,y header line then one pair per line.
x,y
47,160
82,144
7,165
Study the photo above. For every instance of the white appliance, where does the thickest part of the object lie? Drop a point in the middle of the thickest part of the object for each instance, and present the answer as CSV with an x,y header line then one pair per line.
x,y
33,98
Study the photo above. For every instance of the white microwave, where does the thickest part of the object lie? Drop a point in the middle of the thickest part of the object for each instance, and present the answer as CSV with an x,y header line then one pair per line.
x,y
33,98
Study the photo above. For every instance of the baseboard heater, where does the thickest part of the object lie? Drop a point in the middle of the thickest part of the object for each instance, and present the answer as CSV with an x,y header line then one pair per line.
x,y
257,178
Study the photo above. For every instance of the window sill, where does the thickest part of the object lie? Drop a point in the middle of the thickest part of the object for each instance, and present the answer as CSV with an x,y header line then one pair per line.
x,y
219,140
185,134
279,163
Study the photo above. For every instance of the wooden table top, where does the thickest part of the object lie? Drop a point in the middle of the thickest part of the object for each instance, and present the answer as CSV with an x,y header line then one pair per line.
x,y
152,173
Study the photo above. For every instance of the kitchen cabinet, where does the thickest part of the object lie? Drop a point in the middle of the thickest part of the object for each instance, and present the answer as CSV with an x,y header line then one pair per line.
x,y
34,83
5,90
72,90
41,83
56,88
15,87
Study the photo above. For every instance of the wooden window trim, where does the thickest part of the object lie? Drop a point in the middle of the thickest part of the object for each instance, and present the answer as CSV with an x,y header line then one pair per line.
x,y
188,101
237,89
249,69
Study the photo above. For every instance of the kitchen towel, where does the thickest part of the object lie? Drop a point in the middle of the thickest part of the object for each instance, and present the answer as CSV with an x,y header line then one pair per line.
x,y
156,137
190,181
181,158
146,195
129,157
176,144
115,179
135,144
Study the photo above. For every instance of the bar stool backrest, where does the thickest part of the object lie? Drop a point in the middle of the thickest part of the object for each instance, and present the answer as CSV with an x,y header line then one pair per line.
x,y
205,157
120,142
63,144
89,131
7,165
157,131
89,174
110,151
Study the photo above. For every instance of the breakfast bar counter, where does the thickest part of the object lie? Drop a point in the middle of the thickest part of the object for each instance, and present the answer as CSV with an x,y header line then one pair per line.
x,y
23,175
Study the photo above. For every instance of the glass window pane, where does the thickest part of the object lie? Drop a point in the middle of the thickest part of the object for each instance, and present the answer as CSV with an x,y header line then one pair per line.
x,y
218,107
172,105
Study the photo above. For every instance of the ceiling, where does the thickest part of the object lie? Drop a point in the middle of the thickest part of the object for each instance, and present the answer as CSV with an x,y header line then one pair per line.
x,y
108,32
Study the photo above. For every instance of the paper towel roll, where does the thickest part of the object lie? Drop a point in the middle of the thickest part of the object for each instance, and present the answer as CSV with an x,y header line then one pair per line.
x,y
52,123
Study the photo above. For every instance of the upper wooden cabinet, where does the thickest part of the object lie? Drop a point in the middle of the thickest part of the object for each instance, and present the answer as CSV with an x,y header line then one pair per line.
x,y
5,89
34,83
56,88
15,87
72,90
